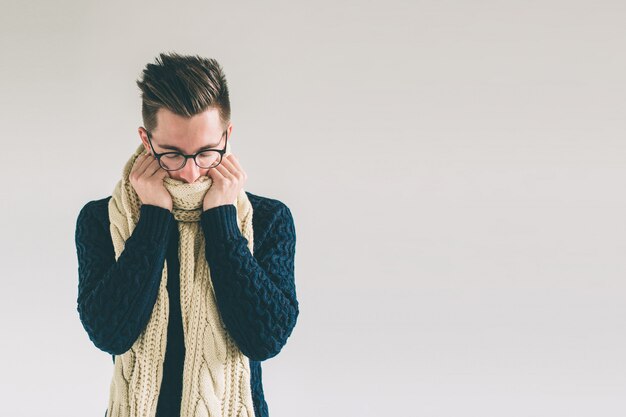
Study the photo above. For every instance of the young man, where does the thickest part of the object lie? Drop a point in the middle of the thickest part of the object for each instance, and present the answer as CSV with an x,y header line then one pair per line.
x,y
186,279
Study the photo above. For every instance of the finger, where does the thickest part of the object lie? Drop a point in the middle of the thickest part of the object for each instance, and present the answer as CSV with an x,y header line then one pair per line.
x,y
153,168
228,165
225,171
140,164
146,167
234,166
233,160
138,161
214,173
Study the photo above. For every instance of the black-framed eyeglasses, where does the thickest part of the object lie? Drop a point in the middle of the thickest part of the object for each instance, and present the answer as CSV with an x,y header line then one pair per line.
x,y
205,159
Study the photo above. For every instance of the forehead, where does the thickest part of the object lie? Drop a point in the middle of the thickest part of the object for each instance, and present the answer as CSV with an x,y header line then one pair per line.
x,y
173,127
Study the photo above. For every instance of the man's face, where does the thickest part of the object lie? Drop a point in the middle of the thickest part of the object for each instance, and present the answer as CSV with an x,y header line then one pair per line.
x,y
186,135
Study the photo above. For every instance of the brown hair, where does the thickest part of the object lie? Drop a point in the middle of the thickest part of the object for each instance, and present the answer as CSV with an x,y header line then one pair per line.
x,y
184,84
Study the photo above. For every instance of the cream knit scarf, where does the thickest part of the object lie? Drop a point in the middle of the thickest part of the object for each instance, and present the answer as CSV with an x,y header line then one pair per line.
x,y
216,375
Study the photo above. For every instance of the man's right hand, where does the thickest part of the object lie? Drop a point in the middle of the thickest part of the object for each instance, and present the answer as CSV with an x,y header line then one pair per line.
x,y
146,177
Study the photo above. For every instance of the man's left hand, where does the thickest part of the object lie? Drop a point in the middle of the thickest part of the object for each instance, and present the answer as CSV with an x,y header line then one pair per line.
x,y
228,179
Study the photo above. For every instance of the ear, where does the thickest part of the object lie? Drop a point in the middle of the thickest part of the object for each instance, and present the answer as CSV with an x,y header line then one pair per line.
x,y
228,145
143,136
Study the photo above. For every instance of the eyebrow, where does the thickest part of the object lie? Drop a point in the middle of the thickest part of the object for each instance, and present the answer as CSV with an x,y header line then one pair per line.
x,y
174,148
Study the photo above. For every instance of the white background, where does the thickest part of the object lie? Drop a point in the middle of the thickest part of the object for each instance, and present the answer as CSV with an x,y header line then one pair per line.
x,y
455,170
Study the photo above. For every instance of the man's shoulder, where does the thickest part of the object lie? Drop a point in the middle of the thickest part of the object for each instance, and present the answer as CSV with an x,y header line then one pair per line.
x,y
95,208
267,208
270,215
260,201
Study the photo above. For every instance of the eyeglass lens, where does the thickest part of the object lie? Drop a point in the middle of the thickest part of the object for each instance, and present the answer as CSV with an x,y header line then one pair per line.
x,y
205,160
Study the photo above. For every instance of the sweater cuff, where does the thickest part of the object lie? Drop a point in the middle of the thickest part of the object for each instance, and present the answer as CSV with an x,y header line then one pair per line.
x,y
154,222
220,223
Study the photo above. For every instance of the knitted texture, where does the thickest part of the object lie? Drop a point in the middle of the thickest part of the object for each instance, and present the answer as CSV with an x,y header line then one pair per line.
x,y
116,297
216,374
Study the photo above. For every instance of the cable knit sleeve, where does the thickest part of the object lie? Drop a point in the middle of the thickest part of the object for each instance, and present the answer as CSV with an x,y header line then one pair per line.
x,y
256,295
116,297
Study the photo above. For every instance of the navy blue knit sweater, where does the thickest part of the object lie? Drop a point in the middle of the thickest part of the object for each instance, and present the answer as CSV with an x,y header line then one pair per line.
x,y
255,293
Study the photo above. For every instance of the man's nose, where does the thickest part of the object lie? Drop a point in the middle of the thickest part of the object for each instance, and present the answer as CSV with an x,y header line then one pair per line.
x,y
190,171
